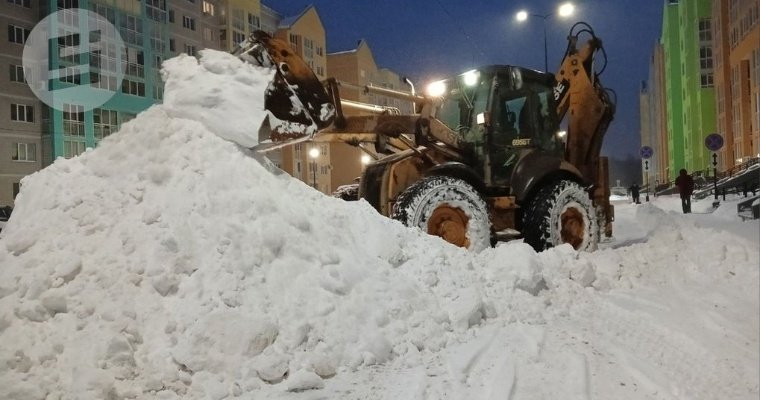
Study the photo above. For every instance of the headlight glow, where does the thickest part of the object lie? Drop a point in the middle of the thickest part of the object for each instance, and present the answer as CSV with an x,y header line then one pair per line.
x,y
436,89
471,77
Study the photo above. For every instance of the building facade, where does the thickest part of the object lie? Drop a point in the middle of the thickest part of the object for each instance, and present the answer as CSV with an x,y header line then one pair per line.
x,y
20,109
33,134
737,78
689,83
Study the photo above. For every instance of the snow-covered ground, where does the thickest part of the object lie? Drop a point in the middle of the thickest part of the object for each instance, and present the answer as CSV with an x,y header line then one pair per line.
x,y
170,263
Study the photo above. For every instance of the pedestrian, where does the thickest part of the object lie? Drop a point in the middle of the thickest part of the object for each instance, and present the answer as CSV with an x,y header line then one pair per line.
x,y
685,185
635,193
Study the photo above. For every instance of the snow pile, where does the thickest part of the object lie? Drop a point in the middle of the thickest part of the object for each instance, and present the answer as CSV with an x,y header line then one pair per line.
x,y
170,263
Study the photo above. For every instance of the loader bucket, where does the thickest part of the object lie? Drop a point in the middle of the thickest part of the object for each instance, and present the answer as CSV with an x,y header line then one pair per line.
x,y
296,100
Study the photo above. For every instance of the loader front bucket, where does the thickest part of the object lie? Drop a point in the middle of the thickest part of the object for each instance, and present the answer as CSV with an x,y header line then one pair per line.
x,y
296,100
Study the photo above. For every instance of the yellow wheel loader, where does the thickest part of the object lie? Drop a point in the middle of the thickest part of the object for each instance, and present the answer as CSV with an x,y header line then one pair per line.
x,y
482,157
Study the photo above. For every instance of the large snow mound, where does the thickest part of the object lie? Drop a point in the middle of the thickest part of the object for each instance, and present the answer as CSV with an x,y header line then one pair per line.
x,y
171,262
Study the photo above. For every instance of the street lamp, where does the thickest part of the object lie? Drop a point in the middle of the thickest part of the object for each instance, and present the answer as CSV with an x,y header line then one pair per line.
x,y
564,10
314,153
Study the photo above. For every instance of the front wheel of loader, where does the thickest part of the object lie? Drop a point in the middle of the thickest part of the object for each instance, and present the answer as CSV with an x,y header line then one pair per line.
x,y
561,212
446,207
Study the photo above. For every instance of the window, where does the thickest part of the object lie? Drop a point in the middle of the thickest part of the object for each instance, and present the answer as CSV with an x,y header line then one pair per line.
x,y
208,34
208,8
72,148
171,16
237,37
308,48
66,4
70,75
706,79
24,152
158,92
705,58
132,87
319,50
101,81
17,73
23,3
188,23
171,45
22,113
133,61
254,23
17,34
105,122
73,120
705,33
131,30
190,50
104,11
156,10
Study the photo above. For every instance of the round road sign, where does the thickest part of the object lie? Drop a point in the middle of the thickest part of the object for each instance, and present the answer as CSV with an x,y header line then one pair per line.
x,y
646,152
714,142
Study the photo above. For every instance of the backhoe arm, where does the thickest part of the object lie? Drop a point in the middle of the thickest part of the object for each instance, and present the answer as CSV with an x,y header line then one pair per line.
x,y
579,92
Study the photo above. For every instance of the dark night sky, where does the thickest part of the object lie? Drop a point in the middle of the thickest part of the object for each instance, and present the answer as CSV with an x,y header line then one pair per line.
x,y
430,39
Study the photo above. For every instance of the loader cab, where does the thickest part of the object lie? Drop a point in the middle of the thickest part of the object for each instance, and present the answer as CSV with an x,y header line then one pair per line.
x,y
501,113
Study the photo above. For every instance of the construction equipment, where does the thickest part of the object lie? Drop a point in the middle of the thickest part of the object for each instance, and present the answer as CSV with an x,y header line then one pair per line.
x,y
480,159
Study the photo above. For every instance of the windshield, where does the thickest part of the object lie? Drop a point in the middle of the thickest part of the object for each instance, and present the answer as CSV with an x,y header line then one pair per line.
x,y
466,96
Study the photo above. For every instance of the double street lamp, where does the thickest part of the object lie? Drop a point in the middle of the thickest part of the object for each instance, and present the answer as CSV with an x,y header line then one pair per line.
x,y
564,10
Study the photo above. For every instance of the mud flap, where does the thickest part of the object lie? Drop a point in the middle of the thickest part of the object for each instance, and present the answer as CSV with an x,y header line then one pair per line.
x,y
297,102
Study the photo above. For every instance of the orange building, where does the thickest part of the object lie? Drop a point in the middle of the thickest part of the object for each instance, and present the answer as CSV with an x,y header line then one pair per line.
x,y
737,78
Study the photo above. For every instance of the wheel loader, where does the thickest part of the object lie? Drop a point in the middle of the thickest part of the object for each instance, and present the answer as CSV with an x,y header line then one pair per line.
x,y
482,157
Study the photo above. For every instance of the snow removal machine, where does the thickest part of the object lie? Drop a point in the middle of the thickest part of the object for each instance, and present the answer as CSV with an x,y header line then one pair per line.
x,y
481,158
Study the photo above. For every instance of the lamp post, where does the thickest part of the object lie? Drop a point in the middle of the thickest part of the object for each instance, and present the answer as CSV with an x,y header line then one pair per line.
x,y
565,10
314,153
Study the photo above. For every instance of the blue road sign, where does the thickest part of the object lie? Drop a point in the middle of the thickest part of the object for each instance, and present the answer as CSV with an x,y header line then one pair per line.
x,y
714,142
646,152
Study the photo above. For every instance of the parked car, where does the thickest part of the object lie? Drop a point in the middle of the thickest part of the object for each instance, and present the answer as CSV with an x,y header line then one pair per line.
x,y
5,215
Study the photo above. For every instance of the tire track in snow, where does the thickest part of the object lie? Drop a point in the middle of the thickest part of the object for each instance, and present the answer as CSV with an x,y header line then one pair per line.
x,y
657,356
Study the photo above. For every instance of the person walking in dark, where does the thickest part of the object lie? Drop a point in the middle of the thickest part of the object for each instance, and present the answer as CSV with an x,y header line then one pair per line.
x,y
635,193
685,185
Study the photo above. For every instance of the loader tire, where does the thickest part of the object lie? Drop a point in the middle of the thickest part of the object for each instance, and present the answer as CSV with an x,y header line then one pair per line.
x,y
446,207
561,212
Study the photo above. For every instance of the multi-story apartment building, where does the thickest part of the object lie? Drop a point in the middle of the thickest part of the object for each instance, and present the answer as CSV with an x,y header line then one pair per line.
x,y
652,104
689,80
736,42
358,66
20,110
71,127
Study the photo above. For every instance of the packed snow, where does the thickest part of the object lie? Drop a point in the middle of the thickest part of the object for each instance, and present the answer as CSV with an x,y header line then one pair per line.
x,y
173,263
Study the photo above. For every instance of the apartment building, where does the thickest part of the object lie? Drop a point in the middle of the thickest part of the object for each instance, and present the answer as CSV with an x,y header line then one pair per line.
x,y
306,35
652,104
358,66
736,43
20,109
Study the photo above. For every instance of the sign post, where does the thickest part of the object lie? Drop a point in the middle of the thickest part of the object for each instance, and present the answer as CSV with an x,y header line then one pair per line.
x,y
714,142
646,153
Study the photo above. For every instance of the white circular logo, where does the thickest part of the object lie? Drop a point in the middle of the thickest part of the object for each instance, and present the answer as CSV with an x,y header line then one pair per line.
x,y
75,57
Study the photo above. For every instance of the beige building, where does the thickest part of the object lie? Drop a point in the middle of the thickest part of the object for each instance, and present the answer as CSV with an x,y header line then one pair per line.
x,y
653,107
358,66
737,78
306,36
20,110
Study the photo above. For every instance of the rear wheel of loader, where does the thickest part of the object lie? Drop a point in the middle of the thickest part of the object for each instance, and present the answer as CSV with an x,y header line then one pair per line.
x,y
561,212
446,207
